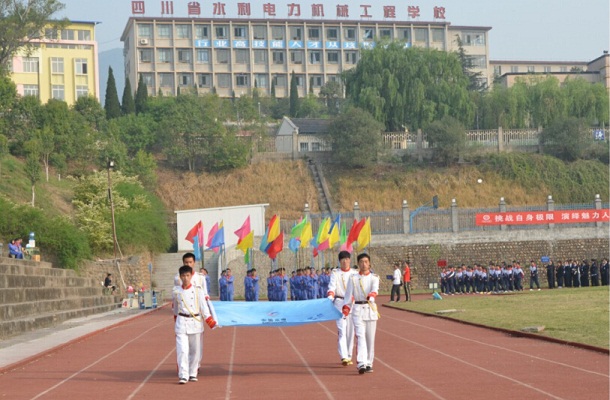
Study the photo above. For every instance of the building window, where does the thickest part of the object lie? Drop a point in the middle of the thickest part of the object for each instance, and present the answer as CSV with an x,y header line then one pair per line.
x,y
350,34
30,90
201,31
315,146
313,33
368,34
514,68
242,80
332,78
473,39
259,32
80,66
315,57
185,80
224,80
316,80
222,56
280,80
277,32
296,56
166,80
149,80
203,56
164,31
531,69
221,32
185,56
438,35
385,33
300,80
351,57
145,31
57,92
332,33
67,34
332,57
57,65
84,35
164,55
145,55
278,56
82,91
30,64
478,61
563,69
183,31
203,80
51,34
303,147
405,34
260,56
242,56
498,70
296,33
262,81
240,32
421,35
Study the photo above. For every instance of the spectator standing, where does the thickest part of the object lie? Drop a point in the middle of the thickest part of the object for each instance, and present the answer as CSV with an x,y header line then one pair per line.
x,y
406,281
534,276
594,273
550,274
396,283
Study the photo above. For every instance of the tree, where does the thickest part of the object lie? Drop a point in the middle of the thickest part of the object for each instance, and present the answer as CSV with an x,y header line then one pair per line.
x,y
448,137
111,103
141,96
294,96
46,137
409,87
586,100
3,150
272,89
310,107
32,168
355,137
547,101
128,105
21,22
332,93
567,139
476,79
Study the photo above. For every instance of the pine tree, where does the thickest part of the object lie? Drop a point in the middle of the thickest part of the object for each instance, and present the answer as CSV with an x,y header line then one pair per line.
x,y
128,105
273,90
111,103
294,96
141,96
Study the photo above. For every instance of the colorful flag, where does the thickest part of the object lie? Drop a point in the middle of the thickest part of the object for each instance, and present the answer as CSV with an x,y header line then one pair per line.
x,y
276,246
333,237
246,243
211,234
294,244
194,232
364,237
274,228
265,241
296,231
306,235
195,236
219,237
343,234
244,230
323,231
354,232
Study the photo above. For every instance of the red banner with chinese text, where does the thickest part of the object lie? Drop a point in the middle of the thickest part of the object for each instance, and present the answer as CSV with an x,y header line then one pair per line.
x,y
543,217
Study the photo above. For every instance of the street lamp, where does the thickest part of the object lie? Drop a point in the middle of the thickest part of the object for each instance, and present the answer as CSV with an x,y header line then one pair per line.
x,y
110,166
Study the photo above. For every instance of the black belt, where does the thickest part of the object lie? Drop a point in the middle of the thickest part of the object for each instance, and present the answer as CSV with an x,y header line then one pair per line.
x,y
361,302
339,297
188,315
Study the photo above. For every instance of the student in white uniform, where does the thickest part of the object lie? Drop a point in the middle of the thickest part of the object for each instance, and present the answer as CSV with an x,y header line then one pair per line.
x,y
198,279
362,289
190,310
339,278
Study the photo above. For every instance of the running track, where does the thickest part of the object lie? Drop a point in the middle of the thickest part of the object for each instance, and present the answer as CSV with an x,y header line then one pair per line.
x,y
417,357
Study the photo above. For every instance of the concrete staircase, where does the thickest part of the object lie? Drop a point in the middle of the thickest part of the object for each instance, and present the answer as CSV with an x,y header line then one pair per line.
x,y
33,295
323,194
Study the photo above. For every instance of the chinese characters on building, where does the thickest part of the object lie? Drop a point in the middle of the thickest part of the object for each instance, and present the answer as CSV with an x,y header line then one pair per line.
x,y
543,217
293,10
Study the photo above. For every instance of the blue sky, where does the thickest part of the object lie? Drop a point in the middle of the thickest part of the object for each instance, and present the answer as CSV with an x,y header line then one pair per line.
x,y
521,29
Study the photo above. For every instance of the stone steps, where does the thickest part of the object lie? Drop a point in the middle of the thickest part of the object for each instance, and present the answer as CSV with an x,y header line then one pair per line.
x,y
19,295
25,309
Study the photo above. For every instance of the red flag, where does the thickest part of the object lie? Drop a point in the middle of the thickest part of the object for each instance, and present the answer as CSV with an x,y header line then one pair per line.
x,y
354,232
190,236
276,246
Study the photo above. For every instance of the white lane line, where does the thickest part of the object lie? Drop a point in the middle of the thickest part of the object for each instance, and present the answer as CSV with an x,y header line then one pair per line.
x,y
311,372
230,377
96,362
474,366
150,375
394,369
502,348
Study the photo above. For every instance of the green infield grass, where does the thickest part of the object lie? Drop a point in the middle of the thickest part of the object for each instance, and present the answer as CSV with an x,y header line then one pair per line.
x,y
574,314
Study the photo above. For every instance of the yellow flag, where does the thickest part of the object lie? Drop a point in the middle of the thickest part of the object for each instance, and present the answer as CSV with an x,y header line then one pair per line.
x,y
323,231
246,243
274,228
306,235
334,235
364,238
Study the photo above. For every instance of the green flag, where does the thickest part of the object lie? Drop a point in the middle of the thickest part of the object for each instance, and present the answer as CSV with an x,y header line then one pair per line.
x,y
343,234
296,231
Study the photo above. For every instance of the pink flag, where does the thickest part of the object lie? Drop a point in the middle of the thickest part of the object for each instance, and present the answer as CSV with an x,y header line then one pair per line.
x,y
211,236
244,230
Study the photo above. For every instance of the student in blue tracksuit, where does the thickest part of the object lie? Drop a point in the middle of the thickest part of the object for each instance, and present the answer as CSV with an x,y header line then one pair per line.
x,y
230,287
248,286
222,286
281,282
254,277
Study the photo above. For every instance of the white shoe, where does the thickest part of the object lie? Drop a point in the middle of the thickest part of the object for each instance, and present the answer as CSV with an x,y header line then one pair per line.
x,y
183,381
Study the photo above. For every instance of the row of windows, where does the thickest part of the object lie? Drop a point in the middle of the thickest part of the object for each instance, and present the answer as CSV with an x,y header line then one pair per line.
x,y
241,80
261,32
241,56
57,91
32,64
67,34
529,69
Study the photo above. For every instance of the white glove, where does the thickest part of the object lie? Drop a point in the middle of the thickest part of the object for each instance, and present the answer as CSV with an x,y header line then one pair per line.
x,y
331,298
371,299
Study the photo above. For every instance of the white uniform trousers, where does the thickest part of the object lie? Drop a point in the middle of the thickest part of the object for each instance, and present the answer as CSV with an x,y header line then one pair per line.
x,y
365,332
188,350
345,333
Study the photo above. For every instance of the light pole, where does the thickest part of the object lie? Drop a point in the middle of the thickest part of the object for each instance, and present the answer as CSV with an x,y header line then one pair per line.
x,y
114,242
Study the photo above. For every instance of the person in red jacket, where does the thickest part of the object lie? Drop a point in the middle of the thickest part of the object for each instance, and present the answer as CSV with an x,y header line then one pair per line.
x,y
406,281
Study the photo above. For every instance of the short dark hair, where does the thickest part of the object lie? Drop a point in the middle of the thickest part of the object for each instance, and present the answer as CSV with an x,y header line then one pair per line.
x,y
363,255
344,254
188,255
185,269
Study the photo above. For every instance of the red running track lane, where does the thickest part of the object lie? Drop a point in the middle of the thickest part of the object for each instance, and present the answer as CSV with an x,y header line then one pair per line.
x,y
417,357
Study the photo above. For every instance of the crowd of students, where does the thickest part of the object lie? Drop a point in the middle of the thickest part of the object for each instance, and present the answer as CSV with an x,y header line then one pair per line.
x,y
509,277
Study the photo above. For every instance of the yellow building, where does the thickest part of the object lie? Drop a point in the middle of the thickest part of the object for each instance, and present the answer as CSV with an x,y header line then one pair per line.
x,y
63,65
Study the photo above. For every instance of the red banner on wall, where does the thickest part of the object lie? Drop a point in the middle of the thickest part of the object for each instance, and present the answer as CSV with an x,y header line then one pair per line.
x,y
543,217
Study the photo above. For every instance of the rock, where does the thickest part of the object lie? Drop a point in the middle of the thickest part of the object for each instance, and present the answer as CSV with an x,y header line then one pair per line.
x,y
533,329
450,311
